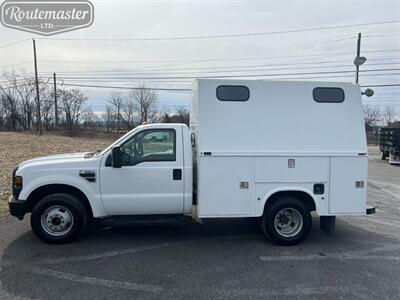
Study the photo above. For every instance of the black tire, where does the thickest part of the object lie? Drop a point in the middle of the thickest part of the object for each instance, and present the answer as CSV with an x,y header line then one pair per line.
x,y
383,155
297,208
74,207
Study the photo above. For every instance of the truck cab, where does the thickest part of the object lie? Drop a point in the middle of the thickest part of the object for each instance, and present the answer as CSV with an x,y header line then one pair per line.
x,y
150,174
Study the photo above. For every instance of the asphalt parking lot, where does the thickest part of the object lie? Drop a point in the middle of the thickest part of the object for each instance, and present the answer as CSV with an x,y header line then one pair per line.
x,y
219,259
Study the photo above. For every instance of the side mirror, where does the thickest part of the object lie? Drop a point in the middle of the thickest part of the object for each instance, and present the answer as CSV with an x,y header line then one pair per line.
x,y
368,93
116,157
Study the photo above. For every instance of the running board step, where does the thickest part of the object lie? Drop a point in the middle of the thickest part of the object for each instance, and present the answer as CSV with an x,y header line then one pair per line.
x,y
115,221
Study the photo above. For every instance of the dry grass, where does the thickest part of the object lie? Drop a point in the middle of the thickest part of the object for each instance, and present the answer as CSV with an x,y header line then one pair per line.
x,y
17,147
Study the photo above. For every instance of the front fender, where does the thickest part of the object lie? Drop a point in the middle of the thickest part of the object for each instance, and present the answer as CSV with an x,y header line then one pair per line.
x,y
90,189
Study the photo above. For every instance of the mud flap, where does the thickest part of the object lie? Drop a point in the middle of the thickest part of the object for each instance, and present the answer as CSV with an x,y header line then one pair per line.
x,y
195,216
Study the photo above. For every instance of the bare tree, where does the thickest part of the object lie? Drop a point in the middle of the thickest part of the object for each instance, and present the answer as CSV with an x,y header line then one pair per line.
x,y
108,117
72,102
145,102
47,114
183,115
3,113
26,91
10,103
18,103
129,114
89,118
166,118
372,115
46,105
117,102
389,115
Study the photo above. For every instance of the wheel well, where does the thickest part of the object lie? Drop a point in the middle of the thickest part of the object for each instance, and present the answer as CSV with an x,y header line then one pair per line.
x,y
46,190
302,196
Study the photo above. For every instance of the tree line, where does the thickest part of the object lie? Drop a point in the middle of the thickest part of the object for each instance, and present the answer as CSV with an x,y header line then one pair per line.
x,y
67,109
375,117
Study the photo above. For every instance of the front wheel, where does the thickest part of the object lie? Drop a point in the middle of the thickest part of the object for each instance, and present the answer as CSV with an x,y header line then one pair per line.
x,y
58,218
287,221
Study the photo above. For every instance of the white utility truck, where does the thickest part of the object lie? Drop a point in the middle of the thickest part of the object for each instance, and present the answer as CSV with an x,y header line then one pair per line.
x,y
272,150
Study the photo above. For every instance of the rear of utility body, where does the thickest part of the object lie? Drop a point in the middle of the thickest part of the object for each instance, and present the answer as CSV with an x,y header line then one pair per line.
x,y
285,137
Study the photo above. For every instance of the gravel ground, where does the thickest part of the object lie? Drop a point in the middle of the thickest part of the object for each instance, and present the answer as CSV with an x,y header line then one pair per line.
x,y
17,147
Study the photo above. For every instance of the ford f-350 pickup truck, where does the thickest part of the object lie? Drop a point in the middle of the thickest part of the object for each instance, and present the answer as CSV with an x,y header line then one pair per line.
x,y
271,150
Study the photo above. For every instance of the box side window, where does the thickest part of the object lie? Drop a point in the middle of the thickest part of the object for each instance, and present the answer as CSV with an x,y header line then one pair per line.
x,y
328,95
233,93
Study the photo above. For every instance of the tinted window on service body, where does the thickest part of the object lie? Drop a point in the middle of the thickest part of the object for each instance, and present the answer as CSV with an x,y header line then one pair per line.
x,y
233,93
328,95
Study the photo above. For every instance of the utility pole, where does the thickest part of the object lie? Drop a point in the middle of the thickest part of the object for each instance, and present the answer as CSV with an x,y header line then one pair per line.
x,y
358,55
55,101
359,60
38,117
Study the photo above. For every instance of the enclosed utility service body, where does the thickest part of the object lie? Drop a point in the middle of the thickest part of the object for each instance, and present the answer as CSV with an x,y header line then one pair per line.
x,y
271,149
280,139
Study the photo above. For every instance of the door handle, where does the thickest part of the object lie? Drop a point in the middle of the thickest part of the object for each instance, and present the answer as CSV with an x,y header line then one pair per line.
x,y
177,174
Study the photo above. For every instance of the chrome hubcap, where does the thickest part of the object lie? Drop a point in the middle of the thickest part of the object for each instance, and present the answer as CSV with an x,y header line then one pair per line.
x,y
288,222
57,220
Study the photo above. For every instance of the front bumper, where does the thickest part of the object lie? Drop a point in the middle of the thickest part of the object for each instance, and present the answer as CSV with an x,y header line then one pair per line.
x,y
17,207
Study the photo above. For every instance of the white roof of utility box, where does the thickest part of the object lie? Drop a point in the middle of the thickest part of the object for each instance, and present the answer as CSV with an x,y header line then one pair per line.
x,y
258,116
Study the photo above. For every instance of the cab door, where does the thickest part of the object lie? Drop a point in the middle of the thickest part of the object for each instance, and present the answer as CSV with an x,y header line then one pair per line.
x,y
150,180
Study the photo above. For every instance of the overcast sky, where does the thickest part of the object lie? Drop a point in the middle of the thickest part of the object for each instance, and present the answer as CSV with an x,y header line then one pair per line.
x,y
97,52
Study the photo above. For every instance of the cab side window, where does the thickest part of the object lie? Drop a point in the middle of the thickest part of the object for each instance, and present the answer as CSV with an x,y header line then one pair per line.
x,y
150,145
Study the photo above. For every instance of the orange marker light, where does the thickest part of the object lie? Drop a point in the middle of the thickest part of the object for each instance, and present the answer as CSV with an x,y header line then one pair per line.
x,y
18,181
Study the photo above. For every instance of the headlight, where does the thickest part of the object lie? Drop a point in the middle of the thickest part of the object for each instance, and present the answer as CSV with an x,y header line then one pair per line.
x,y
17,183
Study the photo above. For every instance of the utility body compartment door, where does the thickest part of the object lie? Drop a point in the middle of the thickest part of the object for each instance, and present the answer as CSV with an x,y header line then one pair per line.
x,y
225,186
348,185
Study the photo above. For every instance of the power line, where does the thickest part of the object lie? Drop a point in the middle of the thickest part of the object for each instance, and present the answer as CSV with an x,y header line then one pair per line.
x,y
17,64
208,59
127,87
189,81
186,90
229,67
173,89
383,50
197,60
381,85
382,35
225,35
14,43
193,71
236,76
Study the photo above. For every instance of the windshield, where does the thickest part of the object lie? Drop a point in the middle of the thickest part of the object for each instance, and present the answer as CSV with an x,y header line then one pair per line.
x,y
117,141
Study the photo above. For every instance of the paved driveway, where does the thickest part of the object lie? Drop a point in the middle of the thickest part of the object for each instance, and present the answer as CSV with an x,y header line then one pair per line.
x,y
219,259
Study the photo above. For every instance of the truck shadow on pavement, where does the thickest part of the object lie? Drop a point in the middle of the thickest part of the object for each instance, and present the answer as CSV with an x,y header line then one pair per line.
x,y
220,258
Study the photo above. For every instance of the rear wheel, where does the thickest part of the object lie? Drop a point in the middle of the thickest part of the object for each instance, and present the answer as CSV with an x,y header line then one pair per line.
x,y
58,218
287,221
